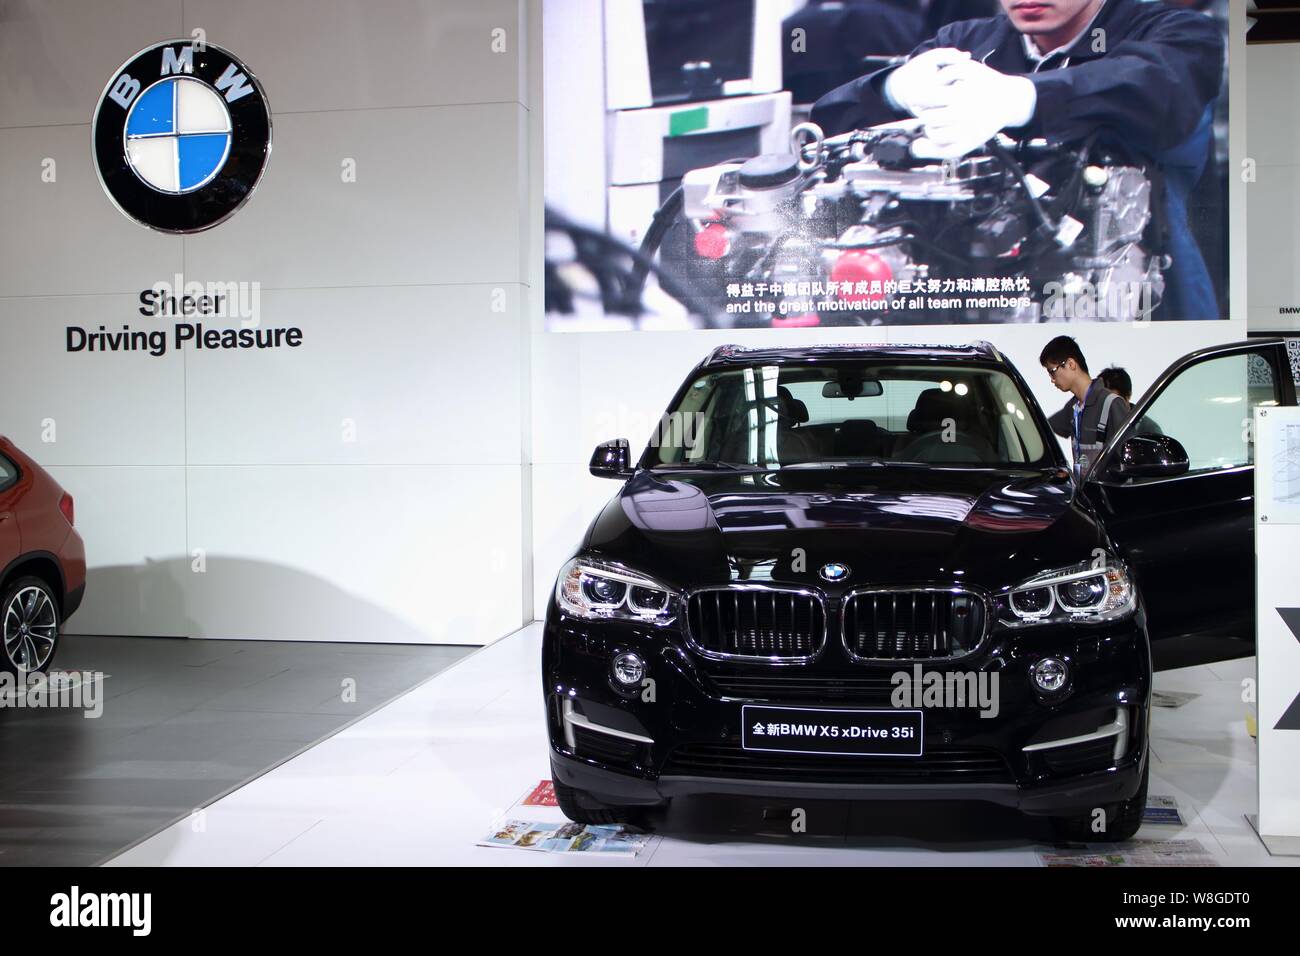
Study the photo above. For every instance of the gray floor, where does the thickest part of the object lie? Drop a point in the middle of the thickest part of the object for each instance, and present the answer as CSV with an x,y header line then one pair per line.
x,y
183,721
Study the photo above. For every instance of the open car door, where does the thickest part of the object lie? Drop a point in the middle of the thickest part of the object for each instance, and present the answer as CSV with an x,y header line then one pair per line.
x,y
1186,524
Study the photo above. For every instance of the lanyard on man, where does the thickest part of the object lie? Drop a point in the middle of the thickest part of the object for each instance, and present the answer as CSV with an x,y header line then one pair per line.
x,y
1077,431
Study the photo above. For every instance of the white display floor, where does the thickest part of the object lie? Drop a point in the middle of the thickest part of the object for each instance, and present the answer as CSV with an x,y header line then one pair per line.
x,y
421,780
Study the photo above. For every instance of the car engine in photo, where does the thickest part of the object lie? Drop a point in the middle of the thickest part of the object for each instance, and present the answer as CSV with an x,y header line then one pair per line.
x,y
854,229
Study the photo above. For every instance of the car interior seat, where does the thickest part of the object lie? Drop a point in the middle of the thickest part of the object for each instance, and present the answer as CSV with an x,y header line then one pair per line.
x,y
792,444
927,423
862,438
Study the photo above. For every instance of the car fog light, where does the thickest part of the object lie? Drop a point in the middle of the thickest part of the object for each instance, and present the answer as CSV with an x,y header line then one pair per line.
x,y
629,670
1050,674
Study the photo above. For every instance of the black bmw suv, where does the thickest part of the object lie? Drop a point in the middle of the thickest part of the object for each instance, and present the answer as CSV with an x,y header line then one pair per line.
x,y
869,572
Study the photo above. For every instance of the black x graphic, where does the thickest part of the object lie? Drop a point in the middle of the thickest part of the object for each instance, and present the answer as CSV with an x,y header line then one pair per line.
x,y
1291,719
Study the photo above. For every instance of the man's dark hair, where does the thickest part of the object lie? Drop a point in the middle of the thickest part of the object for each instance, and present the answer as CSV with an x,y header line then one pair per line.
x,y
1117,380
1061,348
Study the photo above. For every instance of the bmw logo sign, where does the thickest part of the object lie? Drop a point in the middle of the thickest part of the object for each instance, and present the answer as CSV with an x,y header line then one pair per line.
x,y
834,572
181,136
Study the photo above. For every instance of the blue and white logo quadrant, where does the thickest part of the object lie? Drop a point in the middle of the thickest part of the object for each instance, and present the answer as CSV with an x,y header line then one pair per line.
x,y
178,135
834,571
154,112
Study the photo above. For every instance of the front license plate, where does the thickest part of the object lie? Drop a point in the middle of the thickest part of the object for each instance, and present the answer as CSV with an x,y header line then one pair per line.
x,y
851,733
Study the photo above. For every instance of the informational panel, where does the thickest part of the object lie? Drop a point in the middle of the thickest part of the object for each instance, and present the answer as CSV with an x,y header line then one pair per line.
x,y
1277,542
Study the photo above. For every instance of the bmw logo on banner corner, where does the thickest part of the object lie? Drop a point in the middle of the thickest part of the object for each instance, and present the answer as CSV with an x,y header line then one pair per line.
x,y
181,136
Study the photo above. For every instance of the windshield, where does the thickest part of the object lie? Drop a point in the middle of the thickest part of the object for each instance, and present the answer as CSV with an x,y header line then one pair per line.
x,y
775,416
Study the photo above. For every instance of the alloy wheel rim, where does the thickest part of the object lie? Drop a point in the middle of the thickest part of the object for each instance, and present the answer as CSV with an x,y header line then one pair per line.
x,y
31,627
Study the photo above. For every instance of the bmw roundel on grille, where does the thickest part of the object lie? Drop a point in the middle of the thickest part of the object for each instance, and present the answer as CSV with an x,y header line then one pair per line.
x,y
834,571
182,134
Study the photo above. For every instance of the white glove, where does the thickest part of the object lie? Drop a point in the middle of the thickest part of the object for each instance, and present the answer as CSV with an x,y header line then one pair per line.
x,y
970,104
914,85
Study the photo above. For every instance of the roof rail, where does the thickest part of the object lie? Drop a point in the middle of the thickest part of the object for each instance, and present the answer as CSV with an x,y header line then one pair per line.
x,y
719,351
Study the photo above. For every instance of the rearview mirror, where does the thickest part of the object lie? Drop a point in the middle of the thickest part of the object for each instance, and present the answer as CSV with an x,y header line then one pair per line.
x,y
1151,456
612,459
865,388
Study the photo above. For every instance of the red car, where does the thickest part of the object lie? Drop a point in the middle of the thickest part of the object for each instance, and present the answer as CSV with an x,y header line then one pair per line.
x,y
42,562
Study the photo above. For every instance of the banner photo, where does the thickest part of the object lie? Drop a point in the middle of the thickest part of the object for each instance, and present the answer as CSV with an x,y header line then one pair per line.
x,y
797,163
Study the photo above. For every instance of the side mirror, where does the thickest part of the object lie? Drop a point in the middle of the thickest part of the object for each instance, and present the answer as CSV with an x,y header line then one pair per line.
x,y
1151,456
612,459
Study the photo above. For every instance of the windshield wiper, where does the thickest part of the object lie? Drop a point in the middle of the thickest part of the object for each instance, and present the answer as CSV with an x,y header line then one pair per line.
x,y
841,463
706,466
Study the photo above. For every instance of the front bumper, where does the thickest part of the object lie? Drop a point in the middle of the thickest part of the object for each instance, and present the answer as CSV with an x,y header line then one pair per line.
x,y
625,749
1072,796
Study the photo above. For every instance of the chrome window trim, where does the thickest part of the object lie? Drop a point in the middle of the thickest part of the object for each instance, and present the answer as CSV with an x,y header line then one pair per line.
x,y
7,464
777,660
917,589
1185,476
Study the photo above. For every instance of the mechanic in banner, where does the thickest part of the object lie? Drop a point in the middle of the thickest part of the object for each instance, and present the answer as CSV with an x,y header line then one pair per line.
x,y
1144,73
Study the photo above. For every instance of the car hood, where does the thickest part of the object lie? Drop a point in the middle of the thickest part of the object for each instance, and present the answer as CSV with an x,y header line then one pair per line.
x,y
891,526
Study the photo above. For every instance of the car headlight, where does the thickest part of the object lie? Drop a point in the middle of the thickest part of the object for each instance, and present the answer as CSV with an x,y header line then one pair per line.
x,y
1084,593
597,591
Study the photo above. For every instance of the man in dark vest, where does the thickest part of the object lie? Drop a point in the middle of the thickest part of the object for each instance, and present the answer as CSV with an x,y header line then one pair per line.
x,y
1096,413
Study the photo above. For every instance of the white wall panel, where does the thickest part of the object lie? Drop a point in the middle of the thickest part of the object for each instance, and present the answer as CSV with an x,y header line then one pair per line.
x,y
1274,204
114,408
65,237
1273,75
418,554
423,374
133,522
1273,201
56,55
350,54
436,199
